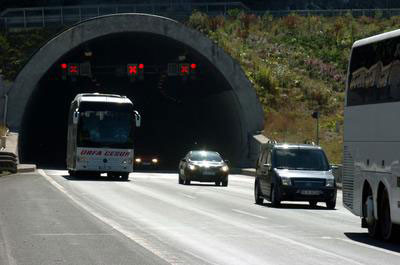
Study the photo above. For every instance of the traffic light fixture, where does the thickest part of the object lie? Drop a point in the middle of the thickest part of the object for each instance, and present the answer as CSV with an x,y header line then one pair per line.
x,y
135,71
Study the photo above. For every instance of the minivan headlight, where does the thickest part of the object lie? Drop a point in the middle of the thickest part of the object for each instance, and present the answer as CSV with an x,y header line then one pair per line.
x,y
225,168
330,183
286,181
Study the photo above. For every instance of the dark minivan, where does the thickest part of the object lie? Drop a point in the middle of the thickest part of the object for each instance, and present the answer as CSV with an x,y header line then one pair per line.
x,y
293,172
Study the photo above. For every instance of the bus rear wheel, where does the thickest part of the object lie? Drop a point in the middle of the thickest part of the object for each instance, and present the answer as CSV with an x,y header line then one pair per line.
x,y
372,223
387,228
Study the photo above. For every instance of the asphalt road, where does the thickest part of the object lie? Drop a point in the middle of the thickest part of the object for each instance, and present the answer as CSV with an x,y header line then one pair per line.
x,y
50,218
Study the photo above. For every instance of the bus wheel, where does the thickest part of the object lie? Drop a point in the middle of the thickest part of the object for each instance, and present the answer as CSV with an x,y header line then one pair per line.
x,y
125,176
372,223
386,224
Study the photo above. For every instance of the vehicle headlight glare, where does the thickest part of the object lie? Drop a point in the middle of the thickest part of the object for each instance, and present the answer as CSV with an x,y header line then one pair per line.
x,y
138,160
192,167
225,168
330,183
154,160
286,181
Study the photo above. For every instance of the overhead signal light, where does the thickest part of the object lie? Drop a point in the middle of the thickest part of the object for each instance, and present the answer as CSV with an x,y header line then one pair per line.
x,y
184,69
73,69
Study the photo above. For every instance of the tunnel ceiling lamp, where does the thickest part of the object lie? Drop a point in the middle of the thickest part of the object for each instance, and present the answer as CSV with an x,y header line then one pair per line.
x,y
182,58
88,53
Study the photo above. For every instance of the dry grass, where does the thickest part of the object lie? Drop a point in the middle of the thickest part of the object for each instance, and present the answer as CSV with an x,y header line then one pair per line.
x,y
296,127
3,130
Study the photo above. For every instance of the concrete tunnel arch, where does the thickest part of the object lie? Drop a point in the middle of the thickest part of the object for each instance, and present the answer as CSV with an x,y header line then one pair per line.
x,y
243,99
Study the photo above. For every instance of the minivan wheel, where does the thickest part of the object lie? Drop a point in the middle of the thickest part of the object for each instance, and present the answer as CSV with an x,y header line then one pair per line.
x,y
331,204
257,194
313,204
275,201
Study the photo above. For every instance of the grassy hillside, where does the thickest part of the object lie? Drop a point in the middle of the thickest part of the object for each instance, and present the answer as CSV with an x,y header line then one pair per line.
x,y
297,65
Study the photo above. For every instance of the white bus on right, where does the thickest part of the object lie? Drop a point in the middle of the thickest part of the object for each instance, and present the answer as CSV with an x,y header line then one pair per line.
x,y
371,159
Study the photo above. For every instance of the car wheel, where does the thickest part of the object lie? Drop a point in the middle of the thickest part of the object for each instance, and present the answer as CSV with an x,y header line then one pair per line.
x,y
312,204
217,183
180,180
331,204
275,201
225,183
187,182
72,173
257,194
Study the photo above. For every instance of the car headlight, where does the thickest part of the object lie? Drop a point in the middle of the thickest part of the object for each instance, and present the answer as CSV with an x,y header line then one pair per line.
x,y
192,167
225,168
286,181
154,160
138,160
330,183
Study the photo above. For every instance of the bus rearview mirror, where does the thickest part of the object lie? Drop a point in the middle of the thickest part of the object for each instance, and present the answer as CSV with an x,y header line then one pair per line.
x,y
75,117
137,119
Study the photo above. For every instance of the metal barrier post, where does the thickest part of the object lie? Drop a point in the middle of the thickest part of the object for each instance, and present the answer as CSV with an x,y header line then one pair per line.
x,y
43,22
24,18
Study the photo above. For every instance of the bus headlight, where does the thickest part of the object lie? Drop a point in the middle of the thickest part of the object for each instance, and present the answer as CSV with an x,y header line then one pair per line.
x,y
154,160
225,168
138,160
330,183
286,181
81,159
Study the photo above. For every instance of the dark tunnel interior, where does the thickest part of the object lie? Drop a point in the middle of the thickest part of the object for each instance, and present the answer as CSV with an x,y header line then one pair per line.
x,y
178,113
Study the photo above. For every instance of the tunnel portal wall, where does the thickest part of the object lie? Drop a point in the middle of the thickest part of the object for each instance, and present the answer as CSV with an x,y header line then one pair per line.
x,y
249,111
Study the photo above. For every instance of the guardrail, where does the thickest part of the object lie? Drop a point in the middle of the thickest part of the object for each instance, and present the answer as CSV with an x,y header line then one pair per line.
x,y
8,162
333,12
40,17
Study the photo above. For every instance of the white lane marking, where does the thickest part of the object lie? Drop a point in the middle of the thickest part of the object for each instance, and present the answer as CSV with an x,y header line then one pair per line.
x,y
270,234
188,196
249,214
368,246
165,255
72,234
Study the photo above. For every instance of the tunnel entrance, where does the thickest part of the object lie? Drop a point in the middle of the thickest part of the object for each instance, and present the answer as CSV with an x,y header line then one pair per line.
x,y
179,113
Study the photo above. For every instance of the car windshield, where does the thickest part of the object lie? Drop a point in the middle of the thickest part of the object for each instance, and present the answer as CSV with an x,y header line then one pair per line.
x,y
205,156
301,159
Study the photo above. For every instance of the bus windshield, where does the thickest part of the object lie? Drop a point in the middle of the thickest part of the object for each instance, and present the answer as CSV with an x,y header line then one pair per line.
x,y
301,159
112,129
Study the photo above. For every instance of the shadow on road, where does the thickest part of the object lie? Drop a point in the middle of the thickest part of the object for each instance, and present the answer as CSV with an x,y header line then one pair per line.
x,y
364,238
296,206
204,185
93,178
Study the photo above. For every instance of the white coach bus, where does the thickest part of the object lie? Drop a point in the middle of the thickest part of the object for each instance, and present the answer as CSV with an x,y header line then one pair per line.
x,y
371,161
101,135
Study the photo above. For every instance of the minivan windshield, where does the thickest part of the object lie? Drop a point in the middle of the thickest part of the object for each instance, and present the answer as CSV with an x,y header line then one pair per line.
x,y
301,159
205,156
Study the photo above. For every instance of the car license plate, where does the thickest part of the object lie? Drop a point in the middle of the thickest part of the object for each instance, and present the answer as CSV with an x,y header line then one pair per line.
x,y
208,173
146,163
310,192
